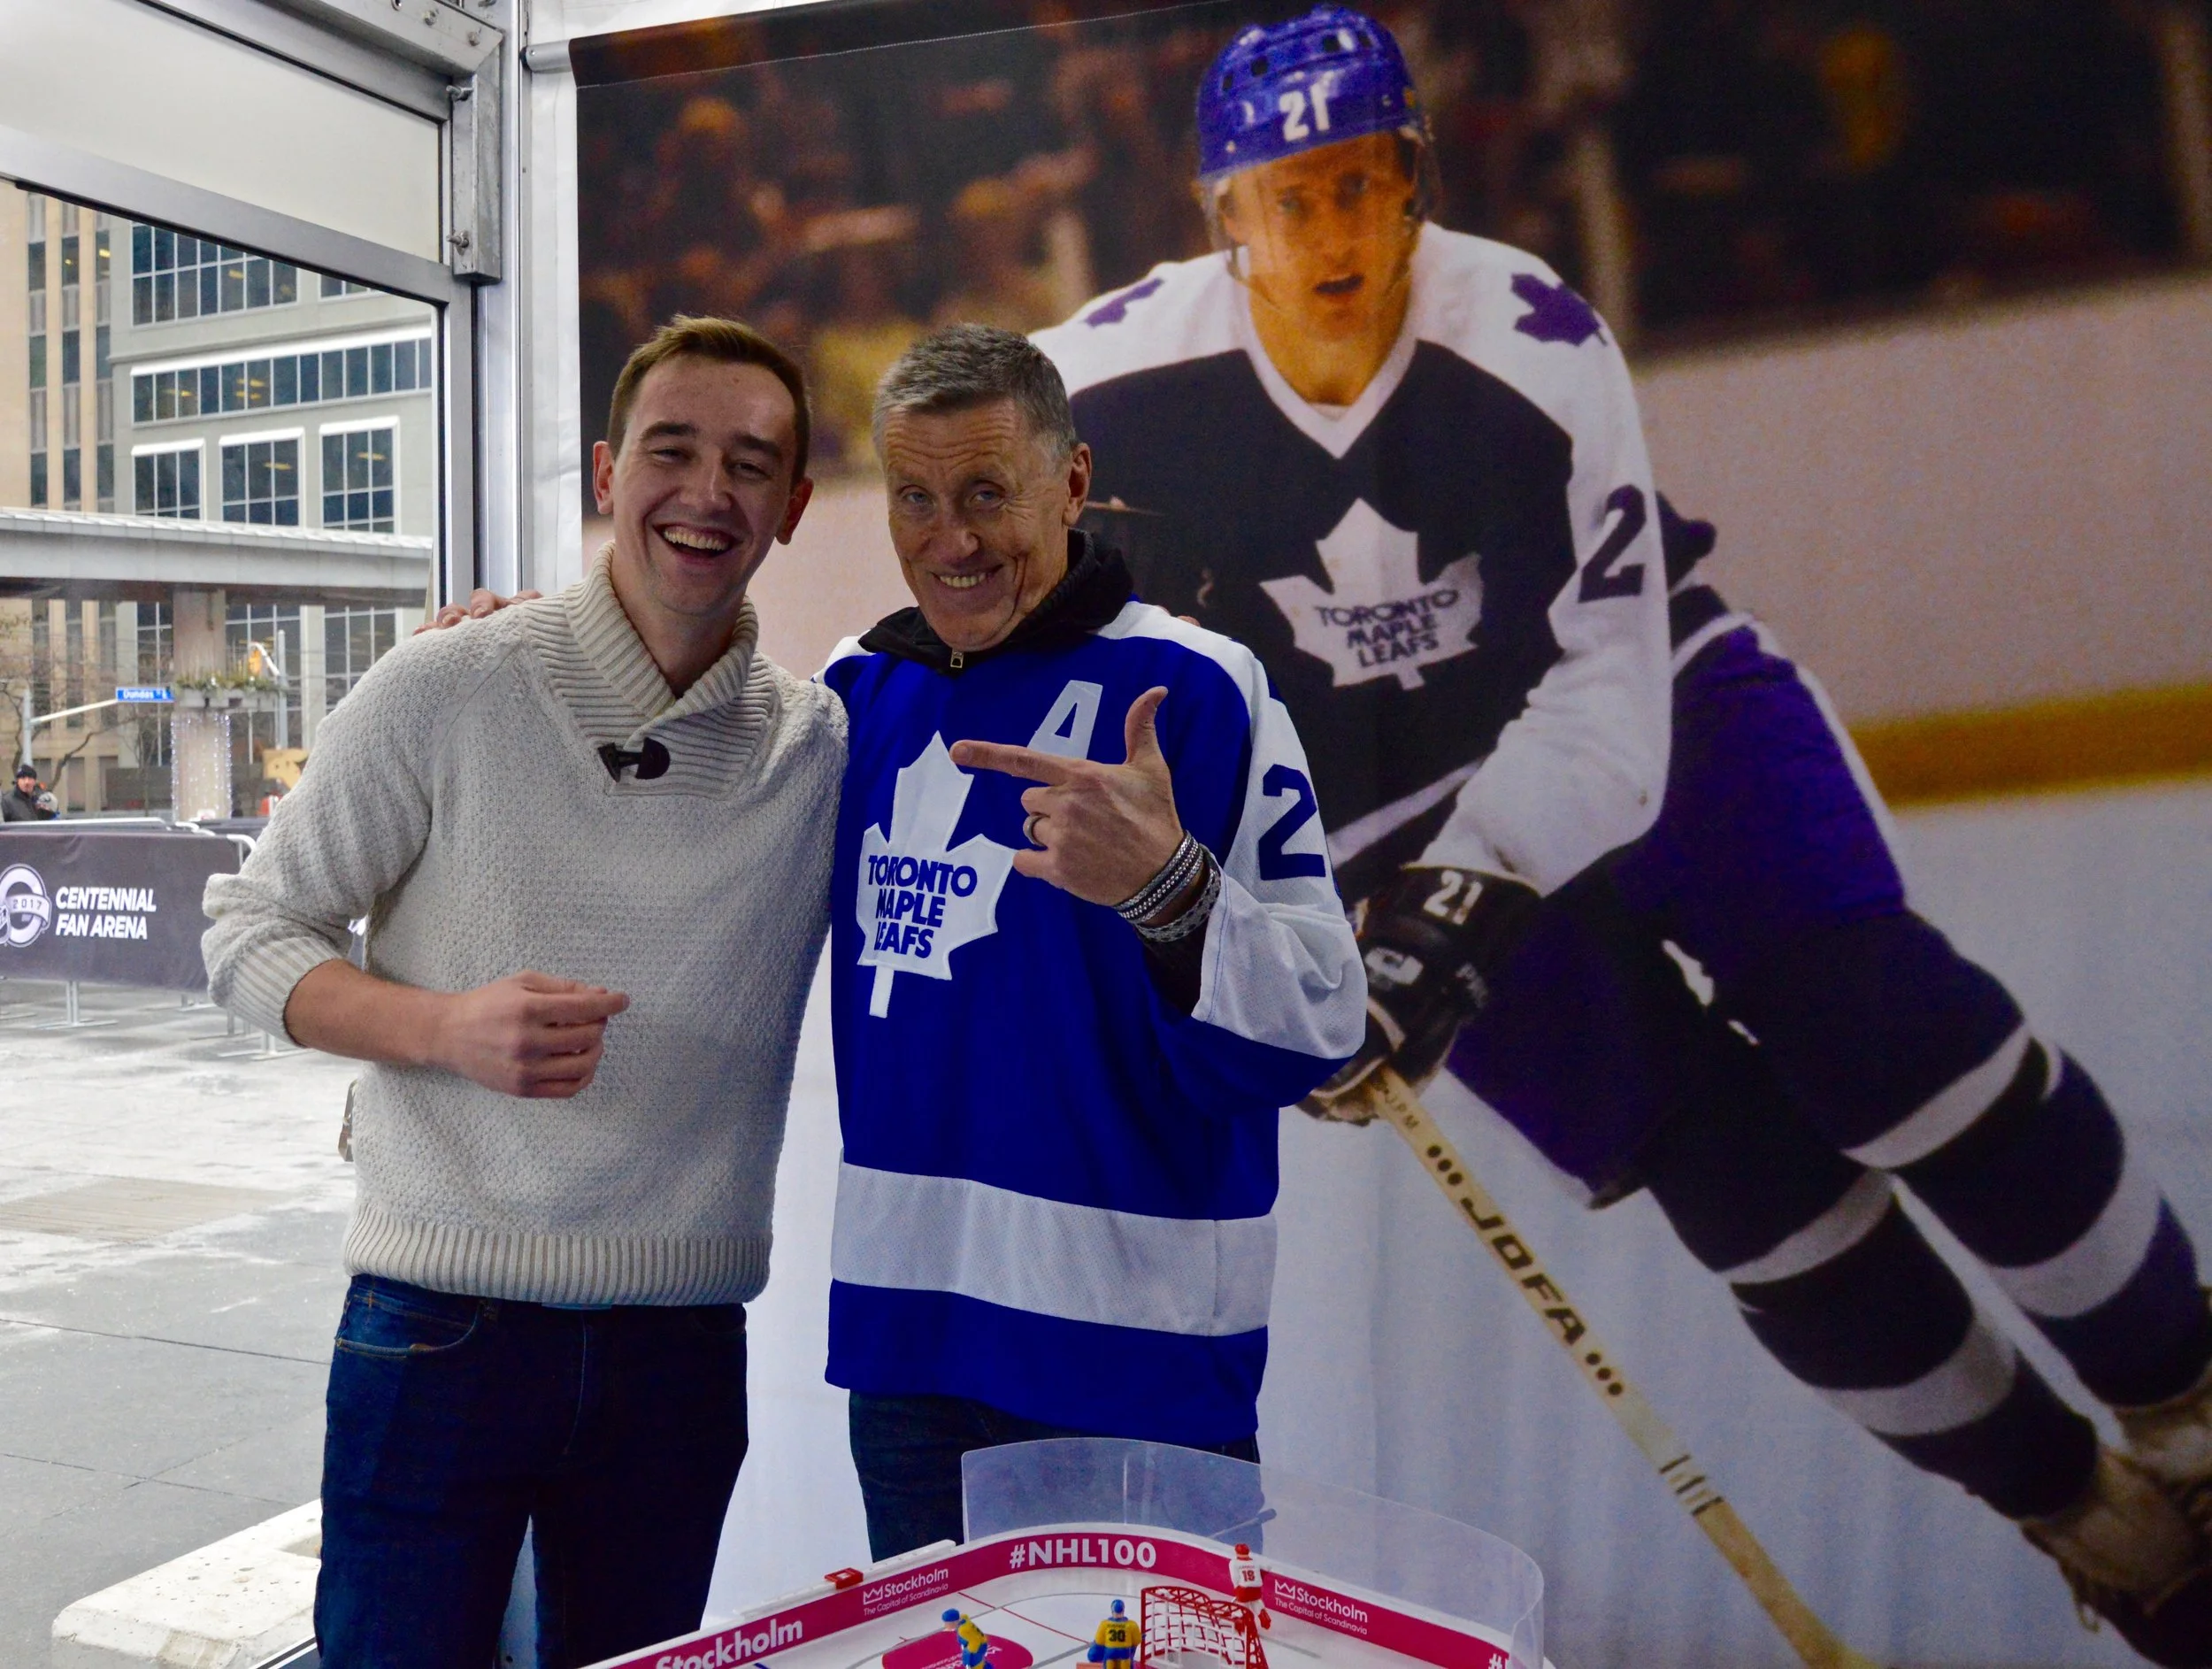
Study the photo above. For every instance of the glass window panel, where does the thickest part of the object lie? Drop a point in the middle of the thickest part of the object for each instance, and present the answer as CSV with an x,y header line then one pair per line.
x,y
38,265
142,399
234,480
257,283
333,379
403,367
100,343
257,482
165,297
257,383
380,458
356,372
72,356
38,481
288,513
311,380
381,368
334,509
188,483
383,511
284,281
142,482
165,394
284,386
334,461
233,387
38,362
72,478
165,249
68,261
210,388
141,249
234,285
103,484
141,301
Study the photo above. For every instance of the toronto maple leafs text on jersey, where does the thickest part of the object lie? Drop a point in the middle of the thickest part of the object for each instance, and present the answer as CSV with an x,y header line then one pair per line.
x,y
1046,1162
1454,582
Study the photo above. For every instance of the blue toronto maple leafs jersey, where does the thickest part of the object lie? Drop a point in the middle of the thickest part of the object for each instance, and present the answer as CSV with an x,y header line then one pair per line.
x,y
1046,1166
1454,582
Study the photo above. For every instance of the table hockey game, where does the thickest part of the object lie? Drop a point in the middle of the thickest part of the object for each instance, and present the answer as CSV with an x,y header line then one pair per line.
x,y
1057,1531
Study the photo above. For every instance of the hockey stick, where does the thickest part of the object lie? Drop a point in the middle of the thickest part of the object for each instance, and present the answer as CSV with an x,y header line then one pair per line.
x,y
1810,1638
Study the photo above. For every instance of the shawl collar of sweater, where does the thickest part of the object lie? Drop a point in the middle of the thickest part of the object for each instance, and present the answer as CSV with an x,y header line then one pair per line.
x,y
603,631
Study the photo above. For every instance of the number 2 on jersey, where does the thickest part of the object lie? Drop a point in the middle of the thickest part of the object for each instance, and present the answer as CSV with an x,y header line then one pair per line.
x,y
1599,579
1275,863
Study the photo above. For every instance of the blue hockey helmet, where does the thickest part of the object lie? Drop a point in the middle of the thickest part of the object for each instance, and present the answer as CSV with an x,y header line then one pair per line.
x,y
1276,91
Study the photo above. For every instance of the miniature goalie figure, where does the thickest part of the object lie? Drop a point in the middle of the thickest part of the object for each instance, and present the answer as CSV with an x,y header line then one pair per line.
x,y
975,1645
1116,1642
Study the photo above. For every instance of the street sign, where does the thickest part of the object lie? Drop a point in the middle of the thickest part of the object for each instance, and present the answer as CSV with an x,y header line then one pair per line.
x,y
145,692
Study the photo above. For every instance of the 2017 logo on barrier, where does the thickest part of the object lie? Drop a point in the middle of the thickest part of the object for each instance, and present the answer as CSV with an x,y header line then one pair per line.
x,y
25,910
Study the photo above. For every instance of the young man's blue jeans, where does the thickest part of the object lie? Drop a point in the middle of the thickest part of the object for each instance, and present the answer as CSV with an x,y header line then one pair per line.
x,y
907,1450
456,1421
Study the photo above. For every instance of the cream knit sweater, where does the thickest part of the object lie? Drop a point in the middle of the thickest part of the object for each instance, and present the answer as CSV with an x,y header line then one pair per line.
x,y
457,800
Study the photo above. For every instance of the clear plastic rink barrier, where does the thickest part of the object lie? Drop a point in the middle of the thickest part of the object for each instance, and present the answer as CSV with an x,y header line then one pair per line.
x,y
1394,1552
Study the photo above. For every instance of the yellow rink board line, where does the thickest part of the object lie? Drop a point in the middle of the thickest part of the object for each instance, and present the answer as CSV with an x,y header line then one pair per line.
x,y
2084,743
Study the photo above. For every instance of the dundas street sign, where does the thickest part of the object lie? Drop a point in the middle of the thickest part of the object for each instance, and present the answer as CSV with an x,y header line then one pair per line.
x,y
145,692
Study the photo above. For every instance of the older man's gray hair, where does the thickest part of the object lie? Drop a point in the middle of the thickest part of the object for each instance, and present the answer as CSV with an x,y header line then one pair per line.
x,y
962,366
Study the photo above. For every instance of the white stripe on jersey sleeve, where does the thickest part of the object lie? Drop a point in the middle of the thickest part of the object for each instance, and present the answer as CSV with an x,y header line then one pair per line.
x,y
1281,966
846,647
1082,1263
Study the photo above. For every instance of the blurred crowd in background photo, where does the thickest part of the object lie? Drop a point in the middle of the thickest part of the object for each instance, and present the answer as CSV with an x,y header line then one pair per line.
x,y
1695,166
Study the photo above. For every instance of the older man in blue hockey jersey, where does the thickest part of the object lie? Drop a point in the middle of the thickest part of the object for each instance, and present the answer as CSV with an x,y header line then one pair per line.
x,y
1085,944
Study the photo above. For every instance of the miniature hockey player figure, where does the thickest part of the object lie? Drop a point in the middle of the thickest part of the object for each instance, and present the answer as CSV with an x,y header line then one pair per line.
x,y
1404,464
1116,1642
1249,1590
975,1645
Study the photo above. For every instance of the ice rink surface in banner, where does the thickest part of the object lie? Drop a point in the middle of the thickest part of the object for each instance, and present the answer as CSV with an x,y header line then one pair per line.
x,y
1402,1364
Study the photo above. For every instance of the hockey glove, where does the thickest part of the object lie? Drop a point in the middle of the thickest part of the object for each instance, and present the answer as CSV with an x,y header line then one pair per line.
x,y
1433,940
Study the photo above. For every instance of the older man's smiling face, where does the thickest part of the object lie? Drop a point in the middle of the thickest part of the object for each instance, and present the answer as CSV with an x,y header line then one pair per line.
x,y
702,485
980,509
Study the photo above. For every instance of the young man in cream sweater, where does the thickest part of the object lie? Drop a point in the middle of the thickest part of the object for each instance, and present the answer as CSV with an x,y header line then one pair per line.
x,y
566,1138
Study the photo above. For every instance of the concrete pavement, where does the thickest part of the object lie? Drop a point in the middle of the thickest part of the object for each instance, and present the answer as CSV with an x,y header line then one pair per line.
x,y
171,1208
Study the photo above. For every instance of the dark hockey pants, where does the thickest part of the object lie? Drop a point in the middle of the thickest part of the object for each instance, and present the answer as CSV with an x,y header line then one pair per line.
x,y
1741,1013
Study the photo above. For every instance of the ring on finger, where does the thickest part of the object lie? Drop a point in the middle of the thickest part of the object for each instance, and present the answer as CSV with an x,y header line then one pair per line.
x,y
1029,829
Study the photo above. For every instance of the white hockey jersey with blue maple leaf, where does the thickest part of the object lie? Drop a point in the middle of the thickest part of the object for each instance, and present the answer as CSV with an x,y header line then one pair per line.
x,y
1454,582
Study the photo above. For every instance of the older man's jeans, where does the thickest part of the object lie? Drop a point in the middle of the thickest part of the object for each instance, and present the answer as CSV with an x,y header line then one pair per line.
x,y
907,1450
454,1421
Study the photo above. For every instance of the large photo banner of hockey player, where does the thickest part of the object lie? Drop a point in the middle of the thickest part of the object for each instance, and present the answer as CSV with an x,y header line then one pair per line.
x,y
1819,1183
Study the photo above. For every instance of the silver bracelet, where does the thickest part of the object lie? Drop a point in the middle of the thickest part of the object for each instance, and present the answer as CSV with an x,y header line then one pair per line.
x,y
1192,919
1177,872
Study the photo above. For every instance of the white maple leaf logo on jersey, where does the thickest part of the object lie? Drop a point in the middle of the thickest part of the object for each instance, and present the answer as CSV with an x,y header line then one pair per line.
x,y
920,899
1377,618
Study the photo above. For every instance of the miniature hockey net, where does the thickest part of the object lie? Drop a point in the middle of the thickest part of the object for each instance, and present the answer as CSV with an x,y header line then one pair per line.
x,y
1179,1621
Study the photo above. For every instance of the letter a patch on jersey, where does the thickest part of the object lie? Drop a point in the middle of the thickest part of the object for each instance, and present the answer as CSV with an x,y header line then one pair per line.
x,y
1377,619
918,898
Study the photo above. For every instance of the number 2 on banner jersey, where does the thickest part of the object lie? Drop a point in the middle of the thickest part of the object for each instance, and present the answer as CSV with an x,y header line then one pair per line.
x,y
1293,104
1275,863
1599,579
